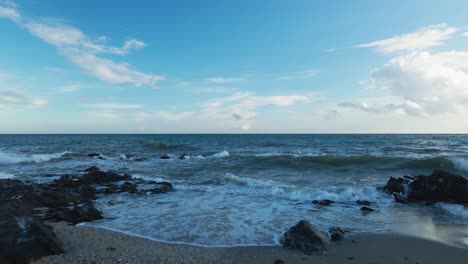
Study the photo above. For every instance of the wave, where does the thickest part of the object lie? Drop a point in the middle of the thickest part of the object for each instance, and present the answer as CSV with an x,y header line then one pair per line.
x,y
4,175
390,162
455,209
233,184
222,154
13,158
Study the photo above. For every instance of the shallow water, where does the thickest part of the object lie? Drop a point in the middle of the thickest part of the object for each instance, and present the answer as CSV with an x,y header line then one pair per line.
x,y
248,189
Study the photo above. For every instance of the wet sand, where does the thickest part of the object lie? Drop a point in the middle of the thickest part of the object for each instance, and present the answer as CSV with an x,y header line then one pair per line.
x,y
93,245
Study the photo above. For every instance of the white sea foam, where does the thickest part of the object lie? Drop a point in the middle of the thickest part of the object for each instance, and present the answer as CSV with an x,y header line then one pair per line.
x,y
13,158
460,162
456,209
222,154
4,175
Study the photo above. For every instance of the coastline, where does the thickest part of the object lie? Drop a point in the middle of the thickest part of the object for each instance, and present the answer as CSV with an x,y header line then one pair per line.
x,y
84,244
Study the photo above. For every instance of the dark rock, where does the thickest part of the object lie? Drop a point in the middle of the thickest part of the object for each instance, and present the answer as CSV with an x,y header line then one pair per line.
x,y
78,214
363,202
366,209
395,185
96,156
440,186
324,202
185,156
131,157
336,233
165,156
305,237
400,198
18,245
92,168
279,261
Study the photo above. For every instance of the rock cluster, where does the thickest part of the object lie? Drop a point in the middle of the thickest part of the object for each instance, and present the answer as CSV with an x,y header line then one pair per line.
x,y
440,186
24,206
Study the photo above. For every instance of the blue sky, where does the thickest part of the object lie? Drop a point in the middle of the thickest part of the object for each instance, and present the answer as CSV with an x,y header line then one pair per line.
x,y
233,66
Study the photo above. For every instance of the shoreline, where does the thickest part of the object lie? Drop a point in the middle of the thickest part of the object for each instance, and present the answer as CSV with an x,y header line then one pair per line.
x,y
85,244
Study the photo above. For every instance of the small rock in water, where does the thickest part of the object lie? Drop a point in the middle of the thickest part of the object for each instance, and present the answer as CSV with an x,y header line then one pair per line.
x,y
400,198
366,209
279,261
324,202
336,233
363,202
305,237
92,168
165,156
185,156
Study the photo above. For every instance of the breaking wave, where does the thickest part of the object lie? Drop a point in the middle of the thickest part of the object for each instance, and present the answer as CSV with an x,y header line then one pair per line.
x,y
13,158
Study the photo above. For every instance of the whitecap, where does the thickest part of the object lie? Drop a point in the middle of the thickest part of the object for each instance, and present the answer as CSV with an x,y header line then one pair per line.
x,y
222,154
13,158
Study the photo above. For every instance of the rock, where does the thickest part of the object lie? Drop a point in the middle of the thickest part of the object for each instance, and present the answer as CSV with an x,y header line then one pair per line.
x,y
78,214
363,202
336,233
34,241
185,156
92,168
279,261
305,237
400,198
324,202
131,157
97,156
366,209
395,185
440,186
165,156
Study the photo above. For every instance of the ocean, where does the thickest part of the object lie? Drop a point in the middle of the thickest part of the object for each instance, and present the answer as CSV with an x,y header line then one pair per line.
x,y
237,190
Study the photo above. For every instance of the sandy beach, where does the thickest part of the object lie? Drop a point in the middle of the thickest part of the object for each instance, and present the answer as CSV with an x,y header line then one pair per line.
x,y
93,245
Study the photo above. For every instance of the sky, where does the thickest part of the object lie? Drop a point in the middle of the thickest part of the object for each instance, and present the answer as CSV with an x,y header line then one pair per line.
x,y
247,66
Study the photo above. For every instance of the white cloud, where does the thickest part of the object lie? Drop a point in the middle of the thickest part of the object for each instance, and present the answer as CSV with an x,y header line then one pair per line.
x,y
425,38
417,82
82,51
239,109
113,106
17,98
9,11
162,115
465,34
225,80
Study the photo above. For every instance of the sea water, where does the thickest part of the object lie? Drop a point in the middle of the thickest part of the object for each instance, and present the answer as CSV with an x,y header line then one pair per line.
x,y
249,189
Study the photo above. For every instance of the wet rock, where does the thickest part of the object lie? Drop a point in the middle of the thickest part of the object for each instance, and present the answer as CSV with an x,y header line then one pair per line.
x,y
97,156
363,202
400,198
336,233
395,185
440,186
92,168
324,202
185,156
78,214
305,237
367,209
279,261
131,157
165,156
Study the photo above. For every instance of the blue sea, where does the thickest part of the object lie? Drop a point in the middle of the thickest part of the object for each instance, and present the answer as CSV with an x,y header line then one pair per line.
x,y
249,189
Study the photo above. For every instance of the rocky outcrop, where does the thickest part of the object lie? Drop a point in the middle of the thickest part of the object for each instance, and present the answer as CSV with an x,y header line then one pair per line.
x,y
25,205
440,186
305,237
